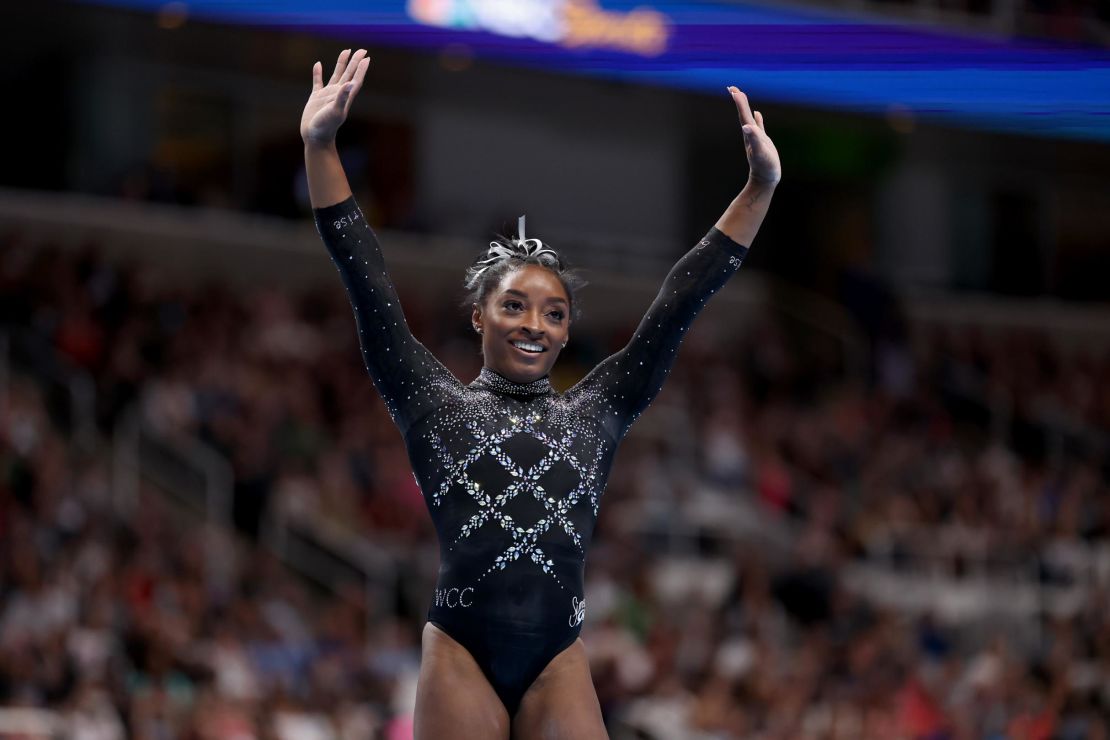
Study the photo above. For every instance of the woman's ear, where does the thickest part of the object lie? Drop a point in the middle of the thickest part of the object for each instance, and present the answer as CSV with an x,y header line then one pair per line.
x,y
476,318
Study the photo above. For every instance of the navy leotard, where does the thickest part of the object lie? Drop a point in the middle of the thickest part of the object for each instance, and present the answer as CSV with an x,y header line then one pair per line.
x,y
512,473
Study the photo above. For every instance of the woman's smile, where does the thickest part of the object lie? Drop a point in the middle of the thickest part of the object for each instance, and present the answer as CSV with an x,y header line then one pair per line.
x,y
527,347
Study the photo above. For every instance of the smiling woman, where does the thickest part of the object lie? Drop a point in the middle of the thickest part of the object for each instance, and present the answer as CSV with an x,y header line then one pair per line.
x,y
522,294
511,471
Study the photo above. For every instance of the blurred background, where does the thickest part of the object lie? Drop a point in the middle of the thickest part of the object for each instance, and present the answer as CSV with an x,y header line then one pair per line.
x,y
871,500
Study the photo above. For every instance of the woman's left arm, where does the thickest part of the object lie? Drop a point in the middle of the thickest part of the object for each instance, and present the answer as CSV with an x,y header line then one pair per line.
x,y
743,217
625,383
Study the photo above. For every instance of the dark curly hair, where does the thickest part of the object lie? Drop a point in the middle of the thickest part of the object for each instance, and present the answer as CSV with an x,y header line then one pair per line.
x,y
506,255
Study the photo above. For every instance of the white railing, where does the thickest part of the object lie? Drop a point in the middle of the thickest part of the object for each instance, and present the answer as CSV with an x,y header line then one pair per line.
x,y
201,479
197,477
183,467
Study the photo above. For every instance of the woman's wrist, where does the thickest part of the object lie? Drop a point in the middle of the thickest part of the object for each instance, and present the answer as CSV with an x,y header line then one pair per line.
x,y
318,145
327,183
755,181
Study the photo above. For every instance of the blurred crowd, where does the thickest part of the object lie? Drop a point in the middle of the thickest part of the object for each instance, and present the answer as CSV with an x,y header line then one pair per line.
x,y
117,625
963,454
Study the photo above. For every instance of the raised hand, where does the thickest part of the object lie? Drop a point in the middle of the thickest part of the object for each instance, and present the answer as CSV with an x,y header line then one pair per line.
x,y
763,158
327,106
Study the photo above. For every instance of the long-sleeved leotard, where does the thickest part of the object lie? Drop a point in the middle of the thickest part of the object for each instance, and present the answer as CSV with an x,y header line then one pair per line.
x,y
512,473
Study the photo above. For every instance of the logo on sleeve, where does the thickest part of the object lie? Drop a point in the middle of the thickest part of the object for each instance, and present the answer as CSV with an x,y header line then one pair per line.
x,y
347,220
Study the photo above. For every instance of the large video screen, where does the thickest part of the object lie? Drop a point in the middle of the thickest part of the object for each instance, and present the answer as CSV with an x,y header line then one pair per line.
x,y
807,57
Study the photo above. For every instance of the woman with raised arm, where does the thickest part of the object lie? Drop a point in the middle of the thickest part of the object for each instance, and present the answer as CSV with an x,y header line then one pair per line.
x,y
512,471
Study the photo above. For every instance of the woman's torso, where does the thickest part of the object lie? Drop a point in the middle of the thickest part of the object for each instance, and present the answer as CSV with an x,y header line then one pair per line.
x,y
512,482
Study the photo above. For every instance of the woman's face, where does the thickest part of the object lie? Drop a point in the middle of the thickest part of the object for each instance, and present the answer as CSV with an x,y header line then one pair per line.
x,y
529,307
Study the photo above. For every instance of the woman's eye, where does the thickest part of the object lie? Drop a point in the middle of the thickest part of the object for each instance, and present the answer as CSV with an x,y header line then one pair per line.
x,y
517,305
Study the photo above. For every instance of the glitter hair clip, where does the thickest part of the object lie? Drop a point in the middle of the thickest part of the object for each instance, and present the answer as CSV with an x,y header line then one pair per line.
x,y
523,248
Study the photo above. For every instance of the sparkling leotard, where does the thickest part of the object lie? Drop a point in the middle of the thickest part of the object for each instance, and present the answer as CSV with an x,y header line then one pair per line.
x,y
513,473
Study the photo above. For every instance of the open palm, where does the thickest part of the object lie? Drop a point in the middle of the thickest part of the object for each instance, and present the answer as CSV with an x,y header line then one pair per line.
x,y
763,158
327,106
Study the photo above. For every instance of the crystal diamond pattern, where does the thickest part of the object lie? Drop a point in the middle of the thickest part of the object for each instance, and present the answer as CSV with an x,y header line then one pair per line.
x,y
492,505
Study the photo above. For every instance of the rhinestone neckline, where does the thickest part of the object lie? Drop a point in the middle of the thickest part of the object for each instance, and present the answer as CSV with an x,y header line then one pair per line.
x,y
500,384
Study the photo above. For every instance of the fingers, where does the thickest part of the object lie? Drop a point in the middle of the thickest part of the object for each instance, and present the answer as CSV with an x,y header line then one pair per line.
x,y
352,65
347,66
360,73
759,120
317,76
742,106
351,88
340,65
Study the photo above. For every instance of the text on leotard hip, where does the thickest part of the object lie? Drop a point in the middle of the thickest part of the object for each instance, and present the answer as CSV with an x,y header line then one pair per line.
x,y
453,597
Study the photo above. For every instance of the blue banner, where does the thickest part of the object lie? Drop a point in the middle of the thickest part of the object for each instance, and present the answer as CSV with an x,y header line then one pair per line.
x,y
793,56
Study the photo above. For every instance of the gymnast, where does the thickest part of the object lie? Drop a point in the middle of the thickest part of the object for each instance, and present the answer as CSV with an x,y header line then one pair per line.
x,y
511,470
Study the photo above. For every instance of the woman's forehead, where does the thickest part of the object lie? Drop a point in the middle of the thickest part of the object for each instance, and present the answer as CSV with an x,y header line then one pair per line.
x,y
534,280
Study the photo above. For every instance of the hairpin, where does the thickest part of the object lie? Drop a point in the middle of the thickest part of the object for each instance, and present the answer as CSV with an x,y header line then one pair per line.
x,y
529,247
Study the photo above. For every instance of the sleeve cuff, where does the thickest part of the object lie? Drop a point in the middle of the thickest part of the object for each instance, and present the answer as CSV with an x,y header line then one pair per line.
x,y
338,216
721,239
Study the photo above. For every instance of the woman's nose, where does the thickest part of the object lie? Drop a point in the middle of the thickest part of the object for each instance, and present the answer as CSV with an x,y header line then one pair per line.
x,y
532,324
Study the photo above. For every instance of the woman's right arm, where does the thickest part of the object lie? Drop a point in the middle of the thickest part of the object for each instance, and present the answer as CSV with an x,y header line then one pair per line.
x,y
410,380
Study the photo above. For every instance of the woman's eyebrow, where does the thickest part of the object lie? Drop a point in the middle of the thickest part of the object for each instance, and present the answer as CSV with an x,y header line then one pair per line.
x,y
550,299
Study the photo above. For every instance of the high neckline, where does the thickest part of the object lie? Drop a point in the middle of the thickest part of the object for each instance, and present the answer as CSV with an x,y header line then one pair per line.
x,y
498,383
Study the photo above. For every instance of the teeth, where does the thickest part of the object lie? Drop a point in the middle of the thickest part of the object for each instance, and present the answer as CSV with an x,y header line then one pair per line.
x,y
529,346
